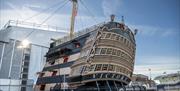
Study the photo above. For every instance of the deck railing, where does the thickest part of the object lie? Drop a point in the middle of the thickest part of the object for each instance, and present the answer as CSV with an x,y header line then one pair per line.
x,y
79,33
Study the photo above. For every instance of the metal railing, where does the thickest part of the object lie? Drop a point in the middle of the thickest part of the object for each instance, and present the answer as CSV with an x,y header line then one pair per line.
x,y
33,26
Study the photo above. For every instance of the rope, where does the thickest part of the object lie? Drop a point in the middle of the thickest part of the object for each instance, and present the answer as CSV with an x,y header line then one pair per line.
x,y
88,10
46,19
54,12
54,5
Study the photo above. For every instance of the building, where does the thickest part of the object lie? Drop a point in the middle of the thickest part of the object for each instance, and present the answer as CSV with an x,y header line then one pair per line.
x,y
19,65
99,58
168,82
143,80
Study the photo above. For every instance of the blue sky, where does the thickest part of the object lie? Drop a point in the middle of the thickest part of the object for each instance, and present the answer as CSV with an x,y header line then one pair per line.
x,y
158,22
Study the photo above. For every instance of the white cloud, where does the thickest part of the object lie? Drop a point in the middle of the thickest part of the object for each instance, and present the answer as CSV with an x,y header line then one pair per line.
x,y
157,64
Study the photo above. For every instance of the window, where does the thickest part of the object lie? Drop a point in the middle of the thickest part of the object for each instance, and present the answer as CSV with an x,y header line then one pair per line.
x,y
41,74
26,63
117,37
97,51
114,52
27,57
125,41
118,52
113,36
65,59
91,67
109,51
42,87
54,73
25,69
23,88
103,35
24,82
118,68
122,54
105,29
52,62
77,45
111,68
122,70
103,50
105,67
24,76
121,39
108,35
98,67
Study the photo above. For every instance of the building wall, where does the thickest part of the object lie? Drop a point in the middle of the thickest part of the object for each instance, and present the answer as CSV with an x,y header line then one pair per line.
x,y
11,38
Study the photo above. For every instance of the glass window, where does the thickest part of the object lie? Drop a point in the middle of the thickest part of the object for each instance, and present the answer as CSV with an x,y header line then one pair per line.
x,y
105,29
54,73
111,68
124,41
121,39
98,67
105,67
52,62
103,50
42,87
117,37
24,82
108,35
103,35
97,51
91,67
114,52
109,51
122,70
118,52
41,74
118,68
122,54
113,36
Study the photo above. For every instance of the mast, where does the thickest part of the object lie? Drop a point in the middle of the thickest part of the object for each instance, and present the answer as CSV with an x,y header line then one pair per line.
x,y
74,13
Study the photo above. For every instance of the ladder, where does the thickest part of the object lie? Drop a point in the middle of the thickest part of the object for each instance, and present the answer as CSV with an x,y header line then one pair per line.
x,y
92,50
93,46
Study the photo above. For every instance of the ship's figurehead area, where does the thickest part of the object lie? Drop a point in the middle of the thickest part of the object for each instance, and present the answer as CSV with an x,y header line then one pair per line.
x,y
106,59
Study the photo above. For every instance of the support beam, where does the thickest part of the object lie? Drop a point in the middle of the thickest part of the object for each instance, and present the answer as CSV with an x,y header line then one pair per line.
x,y
9,75
108,86
2,55
97,85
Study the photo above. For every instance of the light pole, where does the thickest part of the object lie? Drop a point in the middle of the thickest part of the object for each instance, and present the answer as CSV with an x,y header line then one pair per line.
x,y
9,84
167,81
178,79
149,77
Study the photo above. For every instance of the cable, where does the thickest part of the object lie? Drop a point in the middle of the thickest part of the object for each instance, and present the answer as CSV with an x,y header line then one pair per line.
x,y
54,12
43,10
88,10
46,20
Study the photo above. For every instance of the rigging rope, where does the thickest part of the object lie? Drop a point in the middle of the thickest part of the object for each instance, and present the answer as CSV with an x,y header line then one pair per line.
x,y
54,12
88,10
54,5
46,19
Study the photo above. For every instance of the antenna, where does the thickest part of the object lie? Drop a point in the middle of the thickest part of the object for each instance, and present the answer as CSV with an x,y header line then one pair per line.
x,y
74,13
